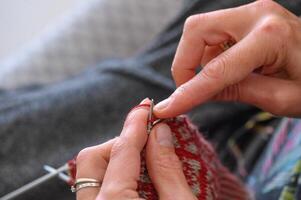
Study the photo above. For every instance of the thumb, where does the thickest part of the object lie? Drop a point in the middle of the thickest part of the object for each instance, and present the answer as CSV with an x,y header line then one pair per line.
x,y
164,166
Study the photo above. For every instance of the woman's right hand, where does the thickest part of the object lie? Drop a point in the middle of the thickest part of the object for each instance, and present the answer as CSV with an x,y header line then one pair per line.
x,y
263,68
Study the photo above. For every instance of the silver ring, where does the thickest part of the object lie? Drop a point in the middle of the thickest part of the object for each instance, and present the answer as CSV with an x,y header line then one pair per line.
x,y
85,182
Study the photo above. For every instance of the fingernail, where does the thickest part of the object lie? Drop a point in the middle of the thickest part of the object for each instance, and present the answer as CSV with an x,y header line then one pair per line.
x,y
144,100
163,104
164,136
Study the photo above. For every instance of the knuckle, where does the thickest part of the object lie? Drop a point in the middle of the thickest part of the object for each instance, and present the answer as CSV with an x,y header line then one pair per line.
x,y
130,119
117,147
216,69
269,25
267,5
184,91
279,110
278,104
121,144
85,154
275,26
270,7
166,162
231,93
192,22
136,117
180,91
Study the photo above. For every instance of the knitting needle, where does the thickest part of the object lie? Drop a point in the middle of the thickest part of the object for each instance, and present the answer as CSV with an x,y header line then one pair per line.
x,y
150,117
150,122
35,183
61,175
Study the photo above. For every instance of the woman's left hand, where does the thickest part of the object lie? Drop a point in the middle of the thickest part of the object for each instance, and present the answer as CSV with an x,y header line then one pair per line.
x,y
116,163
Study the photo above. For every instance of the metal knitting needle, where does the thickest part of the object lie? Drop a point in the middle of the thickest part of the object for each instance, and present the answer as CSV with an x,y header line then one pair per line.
x,y
150,117
34,183
61,175
150,122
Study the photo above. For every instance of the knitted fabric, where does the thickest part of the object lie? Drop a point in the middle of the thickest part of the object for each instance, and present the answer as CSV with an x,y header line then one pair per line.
x,y
206,176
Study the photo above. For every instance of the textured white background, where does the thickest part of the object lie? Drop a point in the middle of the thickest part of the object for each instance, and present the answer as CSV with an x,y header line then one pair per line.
x,y
49,40
22,20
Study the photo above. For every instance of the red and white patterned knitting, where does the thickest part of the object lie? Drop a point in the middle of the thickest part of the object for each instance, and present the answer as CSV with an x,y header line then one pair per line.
x,y
206,176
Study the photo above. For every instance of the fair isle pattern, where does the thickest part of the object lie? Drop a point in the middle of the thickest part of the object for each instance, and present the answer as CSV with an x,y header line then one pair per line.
x,y
206,176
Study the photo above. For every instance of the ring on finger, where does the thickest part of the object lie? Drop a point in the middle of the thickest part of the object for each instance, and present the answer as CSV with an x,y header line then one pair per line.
x,y
84,183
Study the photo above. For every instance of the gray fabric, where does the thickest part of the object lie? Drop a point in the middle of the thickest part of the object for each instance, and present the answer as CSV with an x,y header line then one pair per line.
x,y
50,124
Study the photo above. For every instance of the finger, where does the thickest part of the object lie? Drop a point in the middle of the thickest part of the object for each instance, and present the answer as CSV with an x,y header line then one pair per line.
x,y
210,53
124,166
92,162
230,67
210,28
268,93
164,166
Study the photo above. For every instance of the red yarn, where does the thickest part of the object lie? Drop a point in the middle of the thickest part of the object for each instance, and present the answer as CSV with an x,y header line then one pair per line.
x,y
72,171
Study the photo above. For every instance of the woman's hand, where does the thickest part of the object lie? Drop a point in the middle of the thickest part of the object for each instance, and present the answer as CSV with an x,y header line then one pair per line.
x,y
116,163
263,68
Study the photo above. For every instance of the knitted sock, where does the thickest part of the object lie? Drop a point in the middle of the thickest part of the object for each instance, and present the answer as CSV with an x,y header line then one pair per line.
x,y
206,176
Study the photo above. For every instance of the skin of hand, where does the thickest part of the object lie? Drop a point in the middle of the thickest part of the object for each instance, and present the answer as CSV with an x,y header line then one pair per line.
x,y
263,68
117,163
